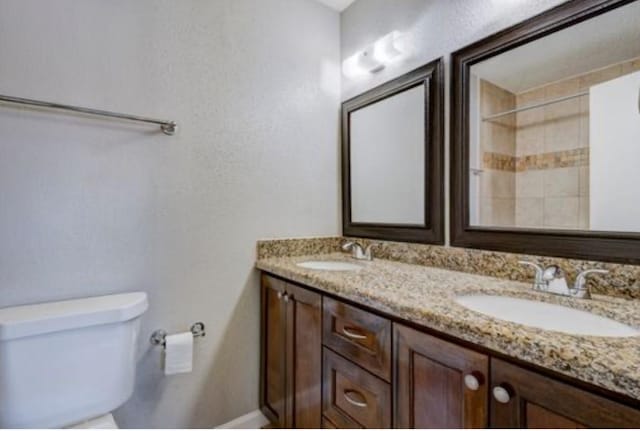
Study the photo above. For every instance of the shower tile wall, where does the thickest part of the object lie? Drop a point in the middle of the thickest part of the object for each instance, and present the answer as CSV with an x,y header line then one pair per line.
x,y
498,146
550,149
548,194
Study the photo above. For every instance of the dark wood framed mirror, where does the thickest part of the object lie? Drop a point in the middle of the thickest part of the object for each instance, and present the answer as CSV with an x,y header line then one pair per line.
x,y
392,159
545,126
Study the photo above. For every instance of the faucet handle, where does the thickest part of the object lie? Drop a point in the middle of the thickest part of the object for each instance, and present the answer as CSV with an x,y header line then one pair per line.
x,y
580,287
538,268
368,251
348,245
583,275
539,283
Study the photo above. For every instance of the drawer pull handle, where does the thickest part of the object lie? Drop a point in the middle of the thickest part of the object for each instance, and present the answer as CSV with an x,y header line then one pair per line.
x,y
501,395
351,334
472,382
352,401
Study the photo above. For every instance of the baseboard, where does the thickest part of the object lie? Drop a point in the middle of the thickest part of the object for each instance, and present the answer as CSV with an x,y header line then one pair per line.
x,y
252,420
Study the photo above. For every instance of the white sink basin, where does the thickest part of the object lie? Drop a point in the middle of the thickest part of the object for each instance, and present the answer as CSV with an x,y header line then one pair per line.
x,y
329,265
547,316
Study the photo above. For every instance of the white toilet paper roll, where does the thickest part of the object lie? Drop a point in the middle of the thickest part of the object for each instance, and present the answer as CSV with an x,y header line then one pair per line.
x,y
178,353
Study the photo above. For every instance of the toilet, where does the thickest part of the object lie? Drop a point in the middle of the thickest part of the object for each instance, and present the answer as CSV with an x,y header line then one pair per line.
x,y
68,363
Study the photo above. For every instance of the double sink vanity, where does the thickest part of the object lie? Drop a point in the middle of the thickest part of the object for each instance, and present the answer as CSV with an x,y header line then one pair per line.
x,y
529,315
349,343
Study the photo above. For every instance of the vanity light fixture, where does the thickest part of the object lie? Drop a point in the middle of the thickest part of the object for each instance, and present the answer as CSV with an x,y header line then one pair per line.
x,y
387,48
361,63
374,57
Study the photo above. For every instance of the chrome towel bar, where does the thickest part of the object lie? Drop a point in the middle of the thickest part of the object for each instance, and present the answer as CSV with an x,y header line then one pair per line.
x,y
167,127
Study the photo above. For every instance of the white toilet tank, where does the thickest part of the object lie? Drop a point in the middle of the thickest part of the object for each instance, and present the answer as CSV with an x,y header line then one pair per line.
x,y
65,362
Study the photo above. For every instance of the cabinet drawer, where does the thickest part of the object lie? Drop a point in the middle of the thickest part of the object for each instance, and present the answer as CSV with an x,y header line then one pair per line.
x,y
358,335
354,398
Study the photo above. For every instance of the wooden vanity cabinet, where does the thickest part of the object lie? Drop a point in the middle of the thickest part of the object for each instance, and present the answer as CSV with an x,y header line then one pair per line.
x,y
370,372
438,384
525,399
291,354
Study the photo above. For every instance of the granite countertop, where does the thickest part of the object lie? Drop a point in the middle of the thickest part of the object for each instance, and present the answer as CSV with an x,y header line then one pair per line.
x,y
425,295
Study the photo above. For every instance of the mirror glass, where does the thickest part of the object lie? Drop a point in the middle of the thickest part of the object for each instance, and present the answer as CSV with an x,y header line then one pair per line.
x,y
554,130
387,156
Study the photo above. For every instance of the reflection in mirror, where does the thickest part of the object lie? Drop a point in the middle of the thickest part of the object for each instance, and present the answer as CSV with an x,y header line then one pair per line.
x,y
387,160
554,136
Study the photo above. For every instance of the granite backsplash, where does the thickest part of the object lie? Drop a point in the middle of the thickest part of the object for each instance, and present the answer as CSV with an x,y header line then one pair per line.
x,y
622,281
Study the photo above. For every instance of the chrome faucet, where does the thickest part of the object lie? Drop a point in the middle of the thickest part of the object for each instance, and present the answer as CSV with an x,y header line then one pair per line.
x,y
555,281
552,280
357,252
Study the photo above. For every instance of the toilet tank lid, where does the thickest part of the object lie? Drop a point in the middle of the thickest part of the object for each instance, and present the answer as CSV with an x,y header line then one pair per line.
x,y
37,319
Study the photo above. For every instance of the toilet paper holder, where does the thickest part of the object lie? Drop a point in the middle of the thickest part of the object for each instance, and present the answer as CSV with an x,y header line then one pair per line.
x,y
159,335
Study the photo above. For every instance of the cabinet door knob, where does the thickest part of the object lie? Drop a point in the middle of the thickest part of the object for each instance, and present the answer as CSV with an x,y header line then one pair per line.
x,y
472,382
286,297
501,395
279,295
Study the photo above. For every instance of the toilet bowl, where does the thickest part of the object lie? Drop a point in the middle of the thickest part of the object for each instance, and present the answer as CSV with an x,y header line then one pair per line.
x,y
68,363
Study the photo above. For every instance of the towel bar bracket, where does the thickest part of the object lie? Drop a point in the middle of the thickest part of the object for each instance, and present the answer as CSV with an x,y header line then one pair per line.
x,y
169,128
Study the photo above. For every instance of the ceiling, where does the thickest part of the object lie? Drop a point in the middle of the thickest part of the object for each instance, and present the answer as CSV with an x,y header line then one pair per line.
x,y
599,42
338,5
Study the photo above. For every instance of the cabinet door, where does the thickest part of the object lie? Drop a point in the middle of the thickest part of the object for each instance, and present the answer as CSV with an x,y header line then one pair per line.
x,y
524,399
273,350
304,358
438,384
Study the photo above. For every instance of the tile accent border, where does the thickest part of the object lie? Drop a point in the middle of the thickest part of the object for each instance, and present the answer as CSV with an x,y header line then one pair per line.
x,y
551,160
622,281
556,159
498,162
